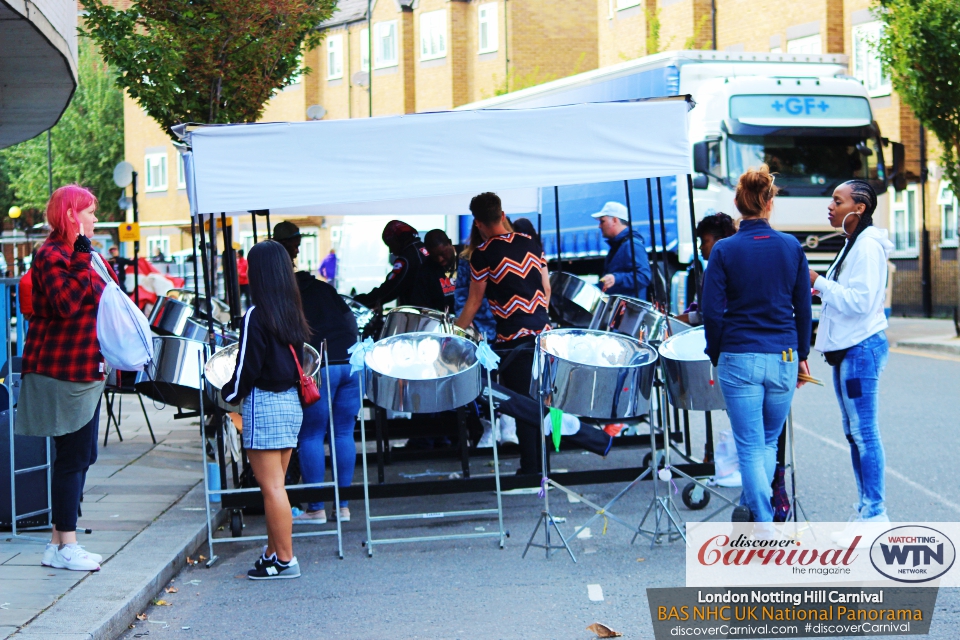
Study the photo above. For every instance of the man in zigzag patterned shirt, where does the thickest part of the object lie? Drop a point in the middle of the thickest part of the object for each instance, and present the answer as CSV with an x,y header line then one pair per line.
x,y
509,269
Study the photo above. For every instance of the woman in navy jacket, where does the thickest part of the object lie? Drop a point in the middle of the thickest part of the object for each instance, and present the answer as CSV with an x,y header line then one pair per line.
x,y
756,312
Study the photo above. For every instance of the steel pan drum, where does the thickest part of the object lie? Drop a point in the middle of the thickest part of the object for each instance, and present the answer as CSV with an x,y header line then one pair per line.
x,y
169,316
688,373
595,374
572,300
631,317
174,375
362,314
422,372
219,369
417,319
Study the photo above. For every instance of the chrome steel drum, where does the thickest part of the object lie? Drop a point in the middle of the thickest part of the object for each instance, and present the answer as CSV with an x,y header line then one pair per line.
x,y
418,319
362,314
422,372
572,300
691,379
219,369
595,374
174,375
169,316
199,330
632,317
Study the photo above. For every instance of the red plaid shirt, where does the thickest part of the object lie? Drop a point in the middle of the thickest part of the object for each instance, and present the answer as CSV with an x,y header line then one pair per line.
x,y
62,338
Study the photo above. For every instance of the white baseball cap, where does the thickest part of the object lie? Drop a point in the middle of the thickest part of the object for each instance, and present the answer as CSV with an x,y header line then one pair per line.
x,y
612,209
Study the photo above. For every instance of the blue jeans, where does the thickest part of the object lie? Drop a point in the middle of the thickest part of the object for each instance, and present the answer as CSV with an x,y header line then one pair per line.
x,y
758,389
316,423
857,384
76,453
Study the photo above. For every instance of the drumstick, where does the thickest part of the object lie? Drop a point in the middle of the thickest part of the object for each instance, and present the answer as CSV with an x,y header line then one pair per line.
x,y
803,377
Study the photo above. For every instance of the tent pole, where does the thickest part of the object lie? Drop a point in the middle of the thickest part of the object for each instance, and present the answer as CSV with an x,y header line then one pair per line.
x,y
206,272
556,213
663,240
269,228
253,220
196,275
653,240
697,265
231,284
633,247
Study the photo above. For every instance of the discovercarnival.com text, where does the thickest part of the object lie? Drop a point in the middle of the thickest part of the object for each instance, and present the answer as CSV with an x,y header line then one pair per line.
x,y
809,629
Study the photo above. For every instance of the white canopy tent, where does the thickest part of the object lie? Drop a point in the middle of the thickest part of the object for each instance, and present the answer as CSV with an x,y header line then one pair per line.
x,y
430,163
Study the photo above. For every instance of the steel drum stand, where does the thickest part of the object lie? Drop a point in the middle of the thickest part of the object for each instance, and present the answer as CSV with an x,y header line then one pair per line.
x,y
370,542
546,518
207,491
795,507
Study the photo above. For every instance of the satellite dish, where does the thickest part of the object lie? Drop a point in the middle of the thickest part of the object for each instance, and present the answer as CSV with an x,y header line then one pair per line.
x,y
316,112
123,174
361,78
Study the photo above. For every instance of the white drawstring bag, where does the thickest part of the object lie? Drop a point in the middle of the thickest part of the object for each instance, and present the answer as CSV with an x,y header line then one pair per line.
x,y
123,331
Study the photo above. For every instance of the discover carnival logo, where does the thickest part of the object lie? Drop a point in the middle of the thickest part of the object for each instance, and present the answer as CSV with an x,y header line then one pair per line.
x,y
912,554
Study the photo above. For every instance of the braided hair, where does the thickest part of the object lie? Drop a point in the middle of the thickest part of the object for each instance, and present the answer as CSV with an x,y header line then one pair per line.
x,y
862,193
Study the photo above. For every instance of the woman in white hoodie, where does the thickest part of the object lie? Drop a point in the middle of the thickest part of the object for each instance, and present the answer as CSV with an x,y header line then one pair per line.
x,y
851,335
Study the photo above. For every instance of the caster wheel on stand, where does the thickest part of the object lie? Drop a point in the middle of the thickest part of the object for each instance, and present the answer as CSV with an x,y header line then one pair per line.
x,y
236,523
695,497
648,460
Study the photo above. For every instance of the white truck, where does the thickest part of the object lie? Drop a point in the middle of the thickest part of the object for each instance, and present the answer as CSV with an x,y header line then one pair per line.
x,y
800,114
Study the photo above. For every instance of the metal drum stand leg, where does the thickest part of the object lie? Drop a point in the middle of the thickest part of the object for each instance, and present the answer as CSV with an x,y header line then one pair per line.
x,y
796,509
370,542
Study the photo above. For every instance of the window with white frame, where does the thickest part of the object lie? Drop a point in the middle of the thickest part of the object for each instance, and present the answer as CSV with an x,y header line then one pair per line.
x,y
867,67
155,166
158,242
334,57
385,44
488,36
181,173
365,50
948,215
433,34
807,44
904,218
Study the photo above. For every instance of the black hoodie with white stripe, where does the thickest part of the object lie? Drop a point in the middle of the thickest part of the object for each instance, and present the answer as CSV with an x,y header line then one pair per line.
x,y
263,362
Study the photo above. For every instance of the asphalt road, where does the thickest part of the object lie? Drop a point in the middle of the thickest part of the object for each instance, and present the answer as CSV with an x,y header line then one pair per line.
x,y
474,590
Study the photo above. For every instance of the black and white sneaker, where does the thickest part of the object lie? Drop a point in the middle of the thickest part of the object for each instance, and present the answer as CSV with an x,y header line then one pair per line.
x,y
742,513
272,569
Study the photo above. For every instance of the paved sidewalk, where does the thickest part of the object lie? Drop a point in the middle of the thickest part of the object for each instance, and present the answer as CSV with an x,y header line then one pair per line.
x,y
130,486
924,334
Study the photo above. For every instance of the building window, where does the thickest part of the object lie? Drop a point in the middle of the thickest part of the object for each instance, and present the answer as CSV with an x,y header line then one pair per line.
x,y
807,44
948,215
334,57
488,36
365,50
158,242
433,34
181,173
867,67
626,4
155,165
903,214
385,44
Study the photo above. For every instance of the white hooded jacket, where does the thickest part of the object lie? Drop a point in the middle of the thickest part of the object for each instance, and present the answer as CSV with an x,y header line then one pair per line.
x,y
853,304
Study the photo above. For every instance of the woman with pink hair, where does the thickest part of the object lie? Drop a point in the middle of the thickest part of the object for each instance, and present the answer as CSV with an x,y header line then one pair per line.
x,y
63,369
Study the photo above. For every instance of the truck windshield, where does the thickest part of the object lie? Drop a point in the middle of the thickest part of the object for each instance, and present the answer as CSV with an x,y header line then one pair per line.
x,y
805,165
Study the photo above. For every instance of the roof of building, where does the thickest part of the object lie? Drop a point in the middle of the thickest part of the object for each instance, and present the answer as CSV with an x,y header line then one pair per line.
x,y
353,10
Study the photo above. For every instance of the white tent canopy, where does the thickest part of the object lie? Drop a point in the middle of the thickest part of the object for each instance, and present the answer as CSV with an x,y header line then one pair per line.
x,y
432,162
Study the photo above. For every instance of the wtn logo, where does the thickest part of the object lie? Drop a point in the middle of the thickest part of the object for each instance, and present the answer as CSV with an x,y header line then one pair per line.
x,y
912,554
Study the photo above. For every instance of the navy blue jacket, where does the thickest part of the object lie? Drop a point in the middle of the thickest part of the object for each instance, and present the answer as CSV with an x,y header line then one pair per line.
x,y
619,262
756,294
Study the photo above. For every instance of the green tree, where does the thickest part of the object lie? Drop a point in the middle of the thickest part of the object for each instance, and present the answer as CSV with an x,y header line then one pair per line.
x,y
210,61
86,144
920,47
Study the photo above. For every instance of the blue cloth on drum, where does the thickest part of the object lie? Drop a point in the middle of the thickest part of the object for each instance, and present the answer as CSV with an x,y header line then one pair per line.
x,y
271,420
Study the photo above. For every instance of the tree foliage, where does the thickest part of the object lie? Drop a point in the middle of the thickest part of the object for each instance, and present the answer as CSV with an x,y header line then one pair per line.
x,y
205,61
87,143
920,46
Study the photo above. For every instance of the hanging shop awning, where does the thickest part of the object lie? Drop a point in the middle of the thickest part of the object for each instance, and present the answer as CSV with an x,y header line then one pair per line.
x,y
431,162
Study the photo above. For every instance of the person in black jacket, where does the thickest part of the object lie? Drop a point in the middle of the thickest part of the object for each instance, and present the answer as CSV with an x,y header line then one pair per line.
x,y
265,380
410,282
332,321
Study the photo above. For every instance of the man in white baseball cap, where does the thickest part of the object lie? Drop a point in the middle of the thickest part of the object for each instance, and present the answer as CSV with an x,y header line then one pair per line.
x,y
622,273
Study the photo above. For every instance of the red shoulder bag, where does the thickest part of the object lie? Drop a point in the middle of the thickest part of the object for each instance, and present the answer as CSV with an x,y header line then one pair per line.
x,y
309,393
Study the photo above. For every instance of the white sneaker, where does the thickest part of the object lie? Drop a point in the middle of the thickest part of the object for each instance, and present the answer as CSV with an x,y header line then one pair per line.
x,y
343,514
309,517
846,537
508,430
486,440
73,558
51,550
